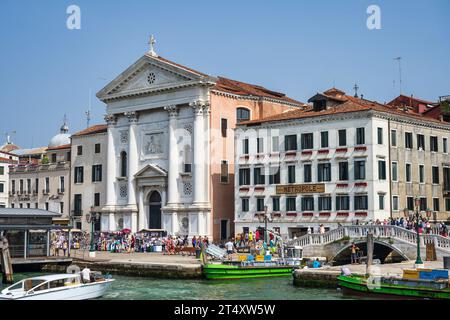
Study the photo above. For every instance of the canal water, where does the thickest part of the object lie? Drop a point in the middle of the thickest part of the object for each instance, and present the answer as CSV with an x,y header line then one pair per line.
x,y
134,288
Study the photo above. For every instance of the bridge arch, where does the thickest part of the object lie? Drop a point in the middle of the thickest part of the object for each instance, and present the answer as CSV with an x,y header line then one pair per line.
x,y
385,252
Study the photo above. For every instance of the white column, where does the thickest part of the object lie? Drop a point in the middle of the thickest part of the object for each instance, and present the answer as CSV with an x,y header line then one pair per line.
x,y
199,151
112,222
141,219
134,225
207,152
132,157
174,223
111,167
173,196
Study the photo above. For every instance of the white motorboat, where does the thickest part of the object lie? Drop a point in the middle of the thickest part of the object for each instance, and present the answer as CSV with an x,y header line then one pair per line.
x,y
57,287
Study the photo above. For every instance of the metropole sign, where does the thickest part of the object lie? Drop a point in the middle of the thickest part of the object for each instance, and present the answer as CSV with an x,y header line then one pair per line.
x,y
301,188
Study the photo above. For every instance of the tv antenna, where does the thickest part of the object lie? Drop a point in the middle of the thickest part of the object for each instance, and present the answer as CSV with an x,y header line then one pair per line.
x,y
399,60
88,111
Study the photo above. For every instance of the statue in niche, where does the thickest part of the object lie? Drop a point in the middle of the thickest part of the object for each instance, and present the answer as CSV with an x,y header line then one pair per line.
x,y
153,144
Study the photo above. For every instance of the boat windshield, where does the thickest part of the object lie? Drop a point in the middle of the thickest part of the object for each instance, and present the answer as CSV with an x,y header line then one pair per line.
x,y
29,284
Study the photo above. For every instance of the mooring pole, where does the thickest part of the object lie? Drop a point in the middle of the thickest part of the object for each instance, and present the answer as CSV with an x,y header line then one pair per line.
x,y
7,271
369,245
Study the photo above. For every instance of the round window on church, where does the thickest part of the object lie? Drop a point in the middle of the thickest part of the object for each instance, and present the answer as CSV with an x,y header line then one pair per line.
x,y
151,78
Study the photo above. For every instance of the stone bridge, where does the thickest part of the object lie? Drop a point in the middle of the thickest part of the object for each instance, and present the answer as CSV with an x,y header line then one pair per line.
x,y
391,243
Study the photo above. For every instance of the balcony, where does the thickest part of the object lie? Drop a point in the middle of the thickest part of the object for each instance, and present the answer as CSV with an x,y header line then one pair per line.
x,y
45,191
61,190
12,193
77,213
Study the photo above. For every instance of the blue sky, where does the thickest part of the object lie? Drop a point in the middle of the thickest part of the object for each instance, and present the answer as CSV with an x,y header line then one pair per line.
x,y
296,47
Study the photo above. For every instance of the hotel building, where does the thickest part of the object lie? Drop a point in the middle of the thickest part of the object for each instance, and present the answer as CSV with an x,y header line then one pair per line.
x,y
341,160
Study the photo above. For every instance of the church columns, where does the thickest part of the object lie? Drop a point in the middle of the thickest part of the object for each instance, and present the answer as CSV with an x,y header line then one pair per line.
x,y
200,153
207,152
132,157
142,220
112,222
111,167
173,173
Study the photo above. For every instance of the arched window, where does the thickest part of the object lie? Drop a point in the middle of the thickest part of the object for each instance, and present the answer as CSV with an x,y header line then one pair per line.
x,y
242,114
123,164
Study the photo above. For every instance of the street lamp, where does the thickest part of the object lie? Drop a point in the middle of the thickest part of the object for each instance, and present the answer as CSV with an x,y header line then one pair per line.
x,y
419,262
266,218
92,218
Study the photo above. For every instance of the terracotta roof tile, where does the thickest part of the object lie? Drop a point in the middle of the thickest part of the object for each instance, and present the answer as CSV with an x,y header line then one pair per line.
x,y
66,146
351,104
246,89
92,130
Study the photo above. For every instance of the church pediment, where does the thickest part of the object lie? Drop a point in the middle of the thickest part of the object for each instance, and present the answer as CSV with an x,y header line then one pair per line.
x,y
151,171
149,75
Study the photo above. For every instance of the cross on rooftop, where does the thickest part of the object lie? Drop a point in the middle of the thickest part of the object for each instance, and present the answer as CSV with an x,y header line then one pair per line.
x,y
152,42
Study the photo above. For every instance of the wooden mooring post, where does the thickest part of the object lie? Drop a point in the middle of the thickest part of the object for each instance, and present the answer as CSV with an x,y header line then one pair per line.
x,y
370,245
5,260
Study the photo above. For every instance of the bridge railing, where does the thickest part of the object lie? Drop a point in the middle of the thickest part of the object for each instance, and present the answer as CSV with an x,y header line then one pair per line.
x,y
382,231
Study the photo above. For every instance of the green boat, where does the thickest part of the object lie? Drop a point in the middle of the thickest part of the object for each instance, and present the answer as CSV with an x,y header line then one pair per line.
x,y
395,287
233,271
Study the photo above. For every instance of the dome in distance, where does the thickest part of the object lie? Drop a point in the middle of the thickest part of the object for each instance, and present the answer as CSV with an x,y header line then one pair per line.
x,y
60,139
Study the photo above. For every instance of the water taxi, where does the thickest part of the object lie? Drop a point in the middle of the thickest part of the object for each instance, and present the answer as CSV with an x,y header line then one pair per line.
x,y
415,284
57,287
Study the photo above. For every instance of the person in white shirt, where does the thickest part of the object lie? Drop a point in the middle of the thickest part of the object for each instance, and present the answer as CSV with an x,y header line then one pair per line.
x,y
86,275
230,247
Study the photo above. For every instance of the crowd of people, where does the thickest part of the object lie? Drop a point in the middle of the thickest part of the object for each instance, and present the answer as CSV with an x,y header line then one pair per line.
x,y
254,243
424,224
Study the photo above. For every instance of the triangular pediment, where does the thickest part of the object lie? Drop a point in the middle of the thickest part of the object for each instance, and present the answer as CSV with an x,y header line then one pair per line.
x,y
151,74
151,171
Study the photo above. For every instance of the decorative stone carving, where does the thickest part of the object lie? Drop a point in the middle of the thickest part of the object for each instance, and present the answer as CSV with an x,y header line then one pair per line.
x,y
151,78
110,119
123,191
187,188
188,128
132,116
184,225
154,143
124,136
200,107
172,110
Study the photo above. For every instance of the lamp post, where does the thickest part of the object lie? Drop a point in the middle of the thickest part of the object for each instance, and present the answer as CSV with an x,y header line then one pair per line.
x,y
266,219
419,262
92,218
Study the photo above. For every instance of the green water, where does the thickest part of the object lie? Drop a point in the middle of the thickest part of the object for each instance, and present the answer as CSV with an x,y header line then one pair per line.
x,y
133,288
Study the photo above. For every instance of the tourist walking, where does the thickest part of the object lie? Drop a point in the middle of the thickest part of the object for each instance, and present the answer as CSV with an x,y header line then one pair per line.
x,y
354,254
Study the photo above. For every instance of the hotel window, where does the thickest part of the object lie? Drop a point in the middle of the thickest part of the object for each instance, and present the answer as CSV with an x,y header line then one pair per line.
x,y
77,204
307,176
380,135
224,127
447,204
12,205
2,188
290,143
275,144
290,204
29,206
78,176
360,170
21,186
224,171
381,201
381,170
61,207
324,139
96,199
410,203
291,174
79,150
61,184
307,141
324,203
242,114
274,175
408,140
343,171
244,177
259,145
420,142
28,186
97,173
435,204
245,146
394,138
245,204
342,203
53,157
36,205
36,185
394,171
435,174
13,186
434,144
423,204
46,206
20,205
408,172
47,184
258,176
97,148
444,145
307,204
342,134
421,173
324,172
395,203
276,204
360,136
2,170
361,203
260,204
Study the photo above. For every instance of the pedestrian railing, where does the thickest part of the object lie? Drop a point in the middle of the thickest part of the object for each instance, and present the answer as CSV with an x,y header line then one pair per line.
x,y
353,232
